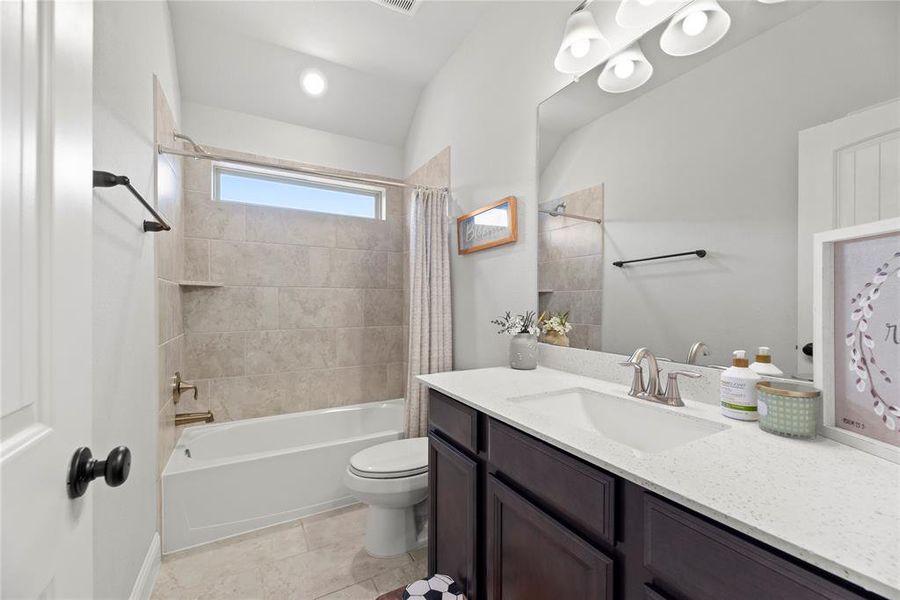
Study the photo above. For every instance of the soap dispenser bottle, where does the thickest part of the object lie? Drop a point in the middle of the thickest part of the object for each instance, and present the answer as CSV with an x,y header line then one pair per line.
x,y
738,389
763,364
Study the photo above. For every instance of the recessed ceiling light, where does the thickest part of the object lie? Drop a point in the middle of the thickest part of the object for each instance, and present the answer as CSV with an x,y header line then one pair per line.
x,y
314,82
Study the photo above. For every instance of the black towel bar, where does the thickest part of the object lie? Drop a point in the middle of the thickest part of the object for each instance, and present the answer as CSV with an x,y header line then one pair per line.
x,y
106,179
622,263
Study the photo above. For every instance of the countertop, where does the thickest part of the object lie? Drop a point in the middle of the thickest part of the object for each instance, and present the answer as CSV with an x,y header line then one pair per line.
x,y
830,505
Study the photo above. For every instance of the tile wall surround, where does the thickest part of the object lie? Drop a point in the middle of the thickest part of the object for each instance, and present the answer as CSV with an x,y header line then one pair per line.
x,y
570,264
169,257
312,310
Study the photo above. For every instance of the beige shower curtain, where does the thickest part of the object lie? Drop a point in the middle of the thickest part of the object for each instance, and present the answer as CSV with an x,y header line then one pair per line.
x,y
430,334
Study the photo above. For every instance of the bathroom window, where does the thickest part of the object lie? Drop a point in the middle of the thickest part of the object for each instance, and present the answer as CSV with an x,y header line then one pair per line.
x,y
286,189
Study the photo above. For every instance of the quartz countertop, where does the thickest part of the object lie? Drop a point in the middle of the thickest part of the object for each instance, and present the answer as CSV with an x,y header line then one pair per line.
x,y
827,504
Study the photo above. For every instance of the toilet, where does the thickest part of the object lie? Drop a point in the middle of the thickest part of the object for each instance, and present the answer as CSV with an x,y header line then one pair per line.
x,y
391,478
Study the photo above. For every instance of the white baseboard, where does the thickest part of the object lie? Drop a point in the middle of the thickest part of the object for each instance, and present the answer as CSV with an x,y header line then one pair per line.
x,y
143,585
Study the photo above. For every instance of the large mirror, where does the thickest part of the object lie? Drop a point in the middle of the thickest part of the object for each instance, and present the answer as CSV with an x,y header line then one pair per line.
x,y
733,157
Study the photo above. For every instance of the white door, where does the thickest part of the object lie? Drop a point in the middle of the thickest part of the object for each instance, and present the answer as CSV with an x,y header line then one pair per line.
x,y
849,174
45,296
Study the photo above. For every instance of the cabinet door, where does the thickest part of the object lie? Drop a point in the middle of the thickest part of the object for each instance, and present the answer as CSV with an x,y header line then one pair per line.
x,y
453,486
532,557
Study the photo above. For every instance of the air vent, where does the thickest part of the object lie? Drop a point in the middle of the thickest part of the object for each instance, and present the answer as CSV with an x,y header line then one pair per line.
x,y
406,7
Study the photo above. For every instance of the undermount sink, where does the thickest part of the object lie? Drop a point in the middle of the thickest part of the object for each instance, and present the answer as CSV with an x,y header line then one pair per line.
x,y
634,423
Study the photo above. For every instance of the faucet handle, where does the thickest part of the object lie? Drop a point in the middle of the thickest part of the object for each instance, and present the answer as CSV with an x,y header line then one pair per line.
x,y
672,396
637,380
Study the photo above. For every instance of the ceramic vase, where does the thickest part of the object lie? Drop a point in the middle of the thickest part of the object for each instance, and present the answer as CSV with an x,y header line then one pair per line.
x,y
523,351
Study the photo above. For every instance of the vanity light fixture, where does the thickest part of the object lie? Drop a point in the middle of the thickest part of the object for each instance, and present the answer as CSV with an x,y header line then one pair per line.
x,y
644,13
313,82
626,71
695,28
583,44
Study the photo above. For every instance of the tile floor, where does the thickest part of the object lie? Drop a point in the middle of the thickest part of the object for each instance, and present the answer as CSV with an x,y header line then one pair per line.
x,y
317,558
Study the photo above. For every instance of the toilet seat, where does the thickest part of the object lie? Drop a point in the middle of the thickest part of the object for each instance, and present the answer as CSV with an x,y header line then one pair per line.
x,y
392,460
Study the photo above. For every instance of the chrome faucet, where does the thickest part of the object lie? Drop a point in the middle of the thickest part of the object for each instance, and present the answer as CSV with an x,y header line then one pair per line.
x,y
698,349
651,391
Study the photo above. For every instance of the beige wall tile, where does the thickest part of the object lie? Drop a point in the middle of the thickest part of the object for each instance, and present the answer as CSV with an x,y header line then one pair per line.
x,y
215,220
169,244
230,309
253,263
290,350
236,398
396,380
319,307
396,270
196,259
170,310
369,346
166,435
355,385
370,234
198,176
208,355
288,226
383,307
358,268
170,360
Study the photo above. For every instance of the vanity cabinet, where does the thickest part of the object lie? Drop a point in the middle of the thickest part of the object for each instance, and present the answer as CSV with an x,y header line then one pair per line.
x,y
514,518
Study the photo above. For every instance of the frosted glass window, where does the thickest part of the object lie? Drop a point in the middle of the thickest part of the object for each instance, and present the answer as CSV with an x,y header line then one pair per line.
x,y
285,189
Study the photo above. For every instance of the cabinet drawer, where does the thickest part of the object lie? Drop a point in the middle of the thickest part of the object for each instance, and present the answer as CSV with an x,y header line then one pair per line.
x,y
454,420
581,494
703,561
533,557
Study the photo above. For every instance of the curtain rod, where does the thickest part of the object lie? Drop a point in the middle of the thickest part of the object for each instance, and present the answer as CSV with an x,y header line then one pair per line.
x,y
202,153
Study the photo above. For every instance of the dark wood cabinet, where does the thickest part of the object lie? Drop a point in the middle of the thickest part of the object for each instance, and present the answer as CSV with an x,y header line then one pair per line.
x,y
531,556
453,498
514,518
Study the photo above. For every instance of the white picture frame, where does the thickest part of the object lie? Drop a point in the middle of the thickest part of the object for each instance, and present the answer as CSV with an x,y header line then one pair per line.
x,y
823,333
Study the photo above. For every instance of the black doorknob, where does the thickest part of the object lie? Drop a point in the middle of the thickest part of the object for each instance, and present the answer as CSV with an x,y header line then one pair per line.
x,y
84,468
808,349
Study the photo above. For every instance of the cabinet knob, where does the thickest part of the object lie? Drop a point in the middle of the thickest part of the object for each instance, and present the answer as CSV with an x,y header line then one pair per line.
x,y
84,468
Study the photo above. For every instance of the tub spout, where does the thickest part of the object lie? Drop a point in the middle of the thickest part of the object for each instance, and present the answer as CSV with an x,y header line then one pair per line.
x,y
194,417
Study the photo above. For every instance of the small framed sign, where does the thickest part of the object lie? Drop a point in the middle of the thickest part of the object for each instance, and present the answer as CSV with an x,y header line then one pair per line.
x,y
856,362
488,227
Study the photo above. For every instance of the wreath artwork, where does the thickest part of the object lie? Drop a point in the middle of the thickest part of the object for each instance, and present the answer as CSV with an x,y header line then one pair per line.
x,y
863,363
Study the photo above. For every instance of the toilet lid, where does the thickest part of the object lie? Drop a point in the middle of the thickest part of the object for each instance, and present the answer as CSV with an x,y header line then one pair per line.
x,y
400,458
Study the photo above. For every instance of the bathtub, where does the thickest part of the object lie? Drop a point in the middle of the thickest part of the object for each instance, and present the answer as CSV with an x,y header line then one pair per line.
x,y
230,478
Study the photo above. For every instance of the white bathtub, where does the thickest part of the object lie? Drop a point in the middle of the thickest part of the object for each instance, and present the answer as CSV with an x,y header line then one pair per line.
x,y
230,478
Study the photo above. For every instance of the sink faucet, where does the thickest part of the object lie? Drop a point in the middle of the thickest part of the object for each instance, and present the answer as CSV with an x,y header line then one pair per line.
x,y
698,349
651,391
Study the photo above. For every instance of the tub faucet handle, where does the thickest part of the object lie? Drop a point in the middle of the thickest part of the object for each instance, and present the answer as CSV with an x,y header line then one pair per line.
x,y
180,387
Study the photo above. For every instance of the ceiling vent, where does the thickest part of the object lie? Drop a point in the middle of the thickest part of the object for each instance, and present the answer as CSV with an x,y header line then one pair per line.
x,y
406,7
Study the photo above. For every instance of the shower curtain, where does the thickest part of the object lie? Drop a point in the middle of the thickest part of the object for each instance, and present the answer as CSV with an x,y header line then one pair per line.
x,y
430,334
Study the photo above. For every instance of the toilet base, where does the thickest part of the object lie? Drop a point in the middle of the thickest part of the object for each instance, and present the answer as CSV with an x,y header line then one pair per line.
x,y
391,531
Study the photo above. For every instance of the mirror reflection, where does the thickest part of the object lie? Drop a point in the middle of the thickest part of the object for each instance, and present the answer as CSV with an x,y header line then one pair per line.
x,y
738,142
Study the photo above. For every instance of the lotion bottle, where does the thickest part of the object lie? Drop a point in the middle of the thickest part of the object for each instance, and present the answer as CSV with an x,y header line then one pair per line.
x,y
763,364
738,389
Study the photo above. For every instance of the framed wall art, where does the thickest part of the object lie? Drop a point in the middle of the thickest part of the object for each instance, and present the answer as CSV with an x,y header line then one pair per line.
x,y
856,358
488,227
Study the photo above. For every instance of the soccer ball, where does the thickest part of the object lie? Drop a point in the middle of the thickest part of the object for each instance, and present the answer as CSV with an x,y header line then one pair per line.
x,y
439,587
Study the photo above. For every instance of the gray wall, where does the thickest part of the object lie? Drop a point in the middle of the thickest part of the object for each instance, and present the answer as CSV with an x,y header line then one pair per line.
x,y
311,314
132,42
710,160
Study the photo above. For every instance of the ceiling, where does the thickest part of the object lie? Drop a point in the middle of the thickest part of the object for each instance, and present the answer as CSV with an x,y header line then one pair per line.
x,y
247,56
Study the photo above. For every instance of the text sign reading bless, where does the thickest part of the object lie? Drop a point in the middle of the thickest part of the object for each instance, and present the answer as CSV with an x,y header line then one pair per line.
x,y
489,226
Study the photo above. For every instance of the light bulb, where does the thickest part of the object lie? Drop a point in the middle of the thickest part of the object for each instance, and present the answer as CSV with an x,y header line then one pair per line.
x,y
314,83
580,48
694,23
624,68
